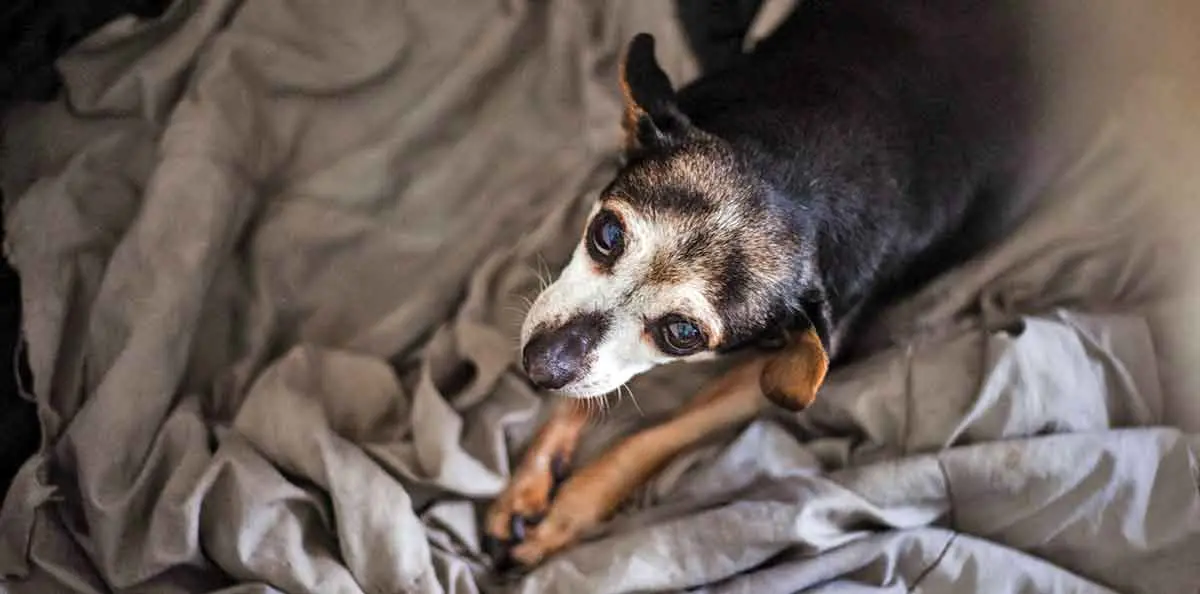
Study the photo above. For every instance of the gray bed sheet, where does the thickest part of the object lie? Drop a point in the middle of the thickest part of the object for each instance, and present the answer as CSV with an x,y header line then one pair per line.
x,y
274,255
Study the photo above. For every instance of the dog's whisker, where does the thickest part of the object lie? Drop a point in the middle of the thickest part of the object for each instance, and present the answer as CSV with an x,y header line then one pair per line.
x,y
519,310
544,271
536,268
606,405
537,272
633,399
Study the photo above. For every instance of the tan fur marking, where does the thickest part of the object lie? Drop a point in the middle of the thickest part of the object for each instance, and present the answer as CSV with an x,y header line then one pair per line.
x,y
792,377
664,270
632,111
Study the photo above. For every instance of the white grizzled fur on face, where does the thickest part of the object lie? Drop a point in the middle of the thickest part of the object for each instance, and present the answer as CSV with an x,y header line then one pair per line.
x,y
636,289
627,349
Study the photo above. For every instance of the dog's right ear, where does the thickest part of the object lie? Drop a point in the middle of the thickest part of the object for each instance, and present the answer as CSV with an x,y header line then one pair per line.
x,y
651,117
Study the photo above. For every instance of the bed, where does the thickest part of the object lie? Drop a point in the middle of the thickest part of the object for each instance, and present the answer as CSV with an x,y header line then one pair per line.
x,y
273,258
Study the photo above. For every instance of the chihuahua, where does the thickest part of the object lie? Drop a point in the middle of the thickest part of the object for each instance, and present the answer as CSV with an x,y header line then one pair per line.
x,y
772,206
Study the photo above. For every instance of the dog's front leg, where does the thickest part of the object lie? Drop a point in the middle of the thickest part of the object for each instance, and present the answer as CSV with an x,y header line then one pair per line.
x,y
543,466
592,493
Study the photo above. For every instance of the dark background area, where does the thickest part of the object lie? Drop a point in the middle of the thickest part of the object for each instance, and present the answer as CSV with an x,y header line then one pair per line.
x,y
18,422
33,33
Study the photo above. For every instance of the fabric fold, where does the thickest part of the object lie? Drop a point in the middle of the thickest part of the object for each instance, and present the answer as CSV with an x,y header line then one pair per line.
x,y
275,255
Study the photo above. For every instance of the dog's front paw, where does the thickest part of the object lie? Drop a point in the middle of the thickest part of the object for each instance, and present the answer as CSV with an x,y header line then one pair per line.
x,y
521,507
584,500
576,508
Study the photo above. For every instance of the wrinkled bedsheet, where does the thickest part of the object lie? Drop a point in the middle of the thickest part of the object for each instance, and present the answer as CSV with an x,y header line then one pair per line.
x,y
275,253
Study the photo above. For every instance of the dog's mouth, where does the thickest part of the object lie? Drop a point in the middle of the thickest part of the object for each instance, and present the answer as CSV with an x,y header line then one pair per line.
x,y
563,375
560,357
584,387
587,392
559,371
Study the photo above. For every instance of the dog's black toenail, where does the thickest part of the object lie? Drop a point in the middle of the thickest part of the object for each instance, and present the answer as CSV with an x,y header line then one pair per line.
x,y
493,547
558,469
503,563
517,528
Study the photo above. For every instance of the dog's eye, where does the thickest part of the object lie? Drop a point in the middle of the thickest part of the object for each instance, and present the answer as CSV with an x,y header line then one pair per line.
x,y
606,237
679,336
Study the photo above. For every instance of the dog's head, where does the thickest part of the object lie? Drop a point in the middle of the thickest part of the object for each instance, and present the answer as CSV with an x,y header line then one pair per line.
x,y
684,255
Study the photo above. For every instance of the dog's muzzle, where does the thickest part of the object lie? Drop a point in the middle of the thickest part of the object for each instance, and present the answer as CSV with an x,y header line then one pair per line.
x,y
558,357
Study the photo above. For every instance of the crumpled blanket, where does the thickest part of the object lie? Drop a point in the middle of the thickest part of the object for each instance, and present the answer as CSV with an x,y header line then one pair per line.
x,y
274,257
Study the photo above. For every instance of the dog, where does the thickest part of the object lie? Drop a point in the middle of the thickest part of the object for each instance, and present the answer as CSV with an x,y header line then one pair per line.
x,y
771,208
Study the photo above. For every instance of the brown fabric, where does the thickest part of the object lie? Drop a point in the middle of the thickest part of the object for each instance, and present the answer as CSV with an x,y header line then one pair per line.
x,y
274,256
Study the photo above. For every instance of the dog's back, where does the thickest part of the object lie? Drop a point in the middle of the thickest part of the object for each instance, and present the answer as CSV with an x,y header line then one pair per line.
x,y
894,125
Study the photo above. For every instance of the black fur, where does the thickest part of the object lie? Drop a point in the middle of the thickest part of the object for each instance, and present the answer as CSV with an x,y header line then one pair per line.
x,y
871,143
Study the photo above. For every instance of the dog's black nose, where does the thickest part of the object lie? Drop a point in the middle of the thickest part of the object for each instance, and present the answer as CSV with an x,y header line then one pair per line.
x,y
557,357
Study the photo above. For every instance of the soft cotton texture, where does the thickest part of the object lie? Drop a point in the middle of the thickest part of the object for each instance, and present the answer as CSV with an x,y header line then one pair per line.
x,y
274,256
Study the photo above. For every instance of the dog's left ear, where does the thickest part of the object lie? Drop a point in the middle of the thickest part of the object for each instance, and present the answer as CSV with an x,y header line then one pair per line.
x,y
793,375
651,116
